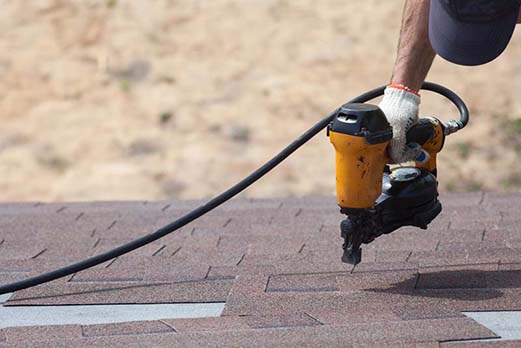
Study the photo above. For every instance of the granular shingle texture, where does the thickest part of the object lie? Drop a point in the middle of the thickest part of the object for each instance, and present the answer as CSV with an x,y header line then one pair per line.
x,y
276,264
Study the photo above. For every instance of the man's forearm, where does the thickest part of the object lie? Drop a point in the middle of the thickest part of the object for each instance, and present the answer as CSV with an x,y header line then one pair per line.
x,y
415,54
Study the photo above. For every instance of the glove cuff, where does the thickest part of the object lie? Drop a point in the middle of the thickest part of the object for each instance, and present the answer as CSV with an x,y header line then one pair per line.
x,y
404,87
400,96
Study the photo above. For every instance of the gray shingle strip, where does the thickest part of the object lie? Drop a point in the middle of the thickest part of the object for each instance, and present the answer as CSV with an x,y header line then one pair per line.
x,y
104,314
506,324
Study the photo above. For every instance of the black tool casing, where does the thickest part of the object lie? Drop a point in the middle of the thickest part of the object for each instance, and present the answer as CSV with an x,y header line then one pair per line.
x,y
407,202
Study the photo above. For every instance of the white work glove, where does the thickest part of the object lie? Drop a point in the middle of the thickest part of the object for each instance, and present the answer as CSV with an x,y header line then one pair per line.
x,y
401,109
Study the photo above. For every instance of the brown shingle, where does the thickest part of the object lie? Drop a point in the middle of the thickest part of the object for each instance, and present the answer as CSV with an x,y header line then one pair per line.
x,y
279,321
230,272
130,328
381,280
385,266
302,282
114,293
355,313
456,277
42,333
21,250
222,323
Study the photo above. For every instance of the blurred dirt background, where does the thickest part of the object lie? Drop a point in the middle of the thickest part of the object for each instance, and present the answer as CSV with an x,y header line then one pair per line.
x,y
115,99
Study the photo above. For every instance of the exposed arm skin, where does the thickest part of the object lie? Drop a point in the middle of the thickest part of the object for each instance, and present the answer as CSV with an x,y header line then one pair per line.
x,y
415,54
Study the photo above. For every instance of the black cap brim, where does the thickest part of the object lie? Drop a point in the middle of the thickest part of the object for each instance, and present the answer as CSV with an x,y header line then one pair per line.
x,y
468,43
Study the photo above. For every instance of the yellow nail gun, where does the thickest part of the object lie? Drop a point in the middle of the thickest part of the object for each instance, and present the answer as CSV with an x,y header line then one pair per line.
x,y
377,199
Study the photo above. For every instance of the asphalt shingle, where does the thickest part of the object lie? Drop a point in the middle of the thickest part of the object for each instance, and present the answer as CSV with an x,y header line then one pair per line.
x,y
276,264
131,328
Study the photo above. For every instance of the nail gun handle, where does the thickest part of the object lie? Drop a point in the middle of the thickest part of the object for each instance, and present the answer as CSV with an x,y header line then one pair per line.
x,y
421,132
430,134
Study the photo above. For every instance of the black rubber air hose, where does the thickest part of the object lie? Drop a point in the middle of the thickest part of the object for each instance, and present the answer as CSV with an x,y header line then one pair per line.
x,y
220,199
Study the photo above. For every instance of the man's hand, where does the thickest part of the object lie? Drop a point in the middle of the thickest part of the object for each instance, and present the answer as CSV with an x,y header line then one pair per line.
x,y
401,109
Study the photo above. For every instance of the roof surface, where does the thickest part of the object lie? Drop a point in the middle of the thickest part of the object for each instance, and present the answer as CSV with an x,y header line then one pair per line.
x,y
276,264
